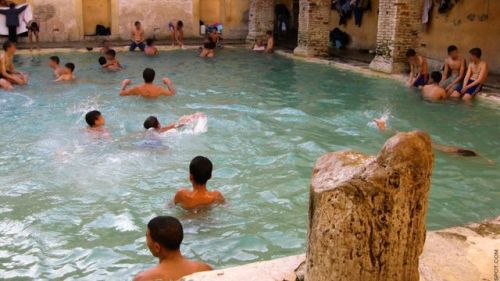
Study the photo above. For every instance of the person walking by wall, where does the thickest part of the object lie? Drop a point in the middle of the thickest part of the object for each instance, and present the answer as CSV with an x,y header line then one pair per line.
x,y
12,20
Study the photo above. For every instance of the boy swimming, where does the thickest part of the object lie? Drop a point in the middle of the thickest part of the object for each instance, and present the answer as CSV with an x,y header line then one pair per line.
x,y
200,171
96,122
164,237
54,62
67,74
151,49
153,123
111,62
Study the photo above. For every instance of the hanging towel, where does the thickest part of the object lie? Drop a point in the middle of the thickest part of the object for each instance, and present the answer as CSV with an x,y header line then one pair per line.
x,y
426,10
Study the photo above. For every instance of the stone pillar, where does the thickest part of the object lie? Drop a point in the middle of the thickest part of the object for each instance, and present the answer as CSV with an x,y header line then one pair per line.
x,y
261,19
367,214
314,27
399,24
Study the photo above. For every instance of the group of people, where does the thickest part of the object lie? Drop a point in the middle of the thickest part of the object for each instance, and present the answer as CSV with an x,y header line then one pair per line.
x,y
457,79
164,234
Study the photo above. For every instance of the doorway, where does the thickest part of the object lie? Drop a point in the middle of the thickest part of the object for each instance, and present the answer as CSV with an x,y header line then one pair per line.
x,y
95,12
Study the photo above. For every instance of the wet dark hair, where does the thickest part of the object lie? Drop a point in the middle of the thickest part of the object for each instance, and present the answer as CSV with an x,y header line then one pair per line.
x,y
149,75
180,24
166,231
452,48
476,52
436,76
410,53
269,32
71,66
466,152
150,41
200,169
91,117
151,122
111,53
55,59
7,44
102,60
137,23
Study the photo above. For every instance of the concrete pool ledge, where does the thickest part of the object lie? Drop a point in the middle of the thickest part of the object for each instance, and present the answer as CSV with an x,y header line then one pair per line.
x,y
364,70
462,253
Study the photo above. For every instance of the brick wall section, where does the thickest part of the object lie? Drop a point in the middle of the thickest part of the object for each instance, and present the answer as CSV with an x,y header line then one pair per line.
x,y
399,25
260,19
314,27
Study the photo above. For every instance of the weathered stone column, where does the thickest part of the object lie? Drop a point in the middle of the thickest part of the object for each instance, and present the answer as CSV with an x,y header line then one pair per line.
x,y
367,214
261,19
399,24
314,27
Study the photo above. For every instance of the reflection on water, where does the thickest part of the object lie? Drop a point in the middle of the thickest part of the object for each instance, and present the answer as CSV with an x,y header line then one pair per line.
x,y
72,206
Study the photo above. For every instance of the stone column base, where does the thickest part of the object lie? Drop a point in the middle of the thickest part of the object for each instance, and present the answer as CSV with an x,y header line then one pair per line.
x,y
252,37
386,65
302,51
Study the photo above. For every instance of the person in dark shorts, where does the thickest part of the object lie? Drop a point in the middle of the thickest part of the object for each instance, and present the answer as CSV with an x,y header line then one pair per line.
x,y
476,75
12,20
419,69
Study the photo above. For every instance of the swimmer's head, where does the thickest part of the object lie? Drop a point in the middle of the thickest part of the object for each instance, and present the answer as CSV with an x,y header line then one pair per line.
x,y
164,234
200,170
95,119
150,42
466,153
152,122
110,54
54,61
102,60
436,77
149,75
69,67
9,46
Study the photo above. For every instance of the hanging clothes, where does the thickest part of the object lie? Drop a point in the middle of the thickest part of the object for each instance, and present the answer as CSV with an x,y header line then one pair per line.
x,y
426,11
444,6
359,9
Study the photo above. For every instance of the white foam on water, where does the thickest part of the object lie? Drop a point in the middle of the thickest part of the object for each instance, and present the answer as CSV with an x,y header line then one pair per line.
x,y
194,124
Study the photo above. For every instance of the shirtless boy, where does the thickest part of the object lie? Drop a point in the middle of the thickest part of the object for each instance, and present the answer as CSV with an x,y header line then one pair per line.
x,y
151,49
208,50
153,123
200,171
433,91
112,62
164,237
137,37
7,71
177,33
54,62
148,89
419,69
96,122
454,70
270,42
477,73
67,74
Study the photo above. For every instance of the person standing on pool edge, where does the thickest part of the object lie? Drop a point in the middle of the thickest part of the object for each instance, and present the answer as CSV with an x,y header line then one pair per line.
x,y
148,89
137,37
164,237
12,20
200,171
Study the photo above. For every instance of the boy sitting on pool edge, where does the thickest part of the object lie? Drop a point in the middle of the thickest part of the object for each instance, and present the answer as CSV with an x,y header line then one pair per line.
x,y
164,237
200,171
67,73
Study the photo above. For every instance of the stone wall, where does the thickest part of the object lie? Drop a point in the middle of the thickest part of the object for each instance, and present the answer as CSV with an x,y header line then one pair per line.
x,y
261,19
57,20
367,214
314,27
399,24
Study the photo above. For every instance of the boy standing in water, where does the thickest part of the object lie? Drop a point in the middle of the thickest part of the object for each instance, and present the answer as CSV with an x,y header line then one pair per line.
x,y
419,69
433,91
67,74
477,73
164,237
54,64
200,171
148,89
151,49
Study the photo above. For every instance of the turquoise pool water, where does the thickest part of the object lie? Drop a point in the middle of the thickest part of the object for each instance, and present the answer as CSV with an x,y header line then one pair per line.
x,y
75,208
